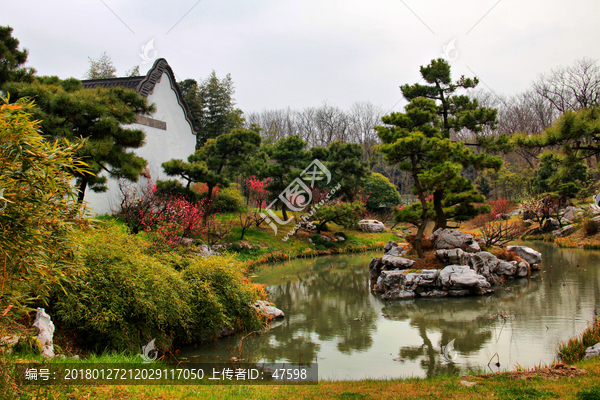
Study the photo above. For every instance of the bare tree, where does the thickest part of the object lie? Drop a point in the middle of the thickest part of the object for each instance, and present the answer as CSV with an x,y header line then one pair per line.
x,y
571,88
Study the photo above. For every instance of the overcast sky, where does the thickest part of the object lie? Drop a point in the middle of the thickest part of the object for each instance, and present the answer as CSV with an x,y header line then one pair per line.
x,y
283,53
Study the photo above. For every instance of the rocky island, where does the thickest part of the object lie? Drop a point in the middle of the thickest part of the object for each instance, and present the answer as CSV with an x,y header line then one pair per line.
x,y
468,271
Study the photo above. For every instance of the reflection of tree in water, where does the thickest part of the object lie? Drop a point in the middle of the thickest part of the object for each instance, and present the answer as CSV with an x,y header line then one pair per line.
x,y
466,320
324,302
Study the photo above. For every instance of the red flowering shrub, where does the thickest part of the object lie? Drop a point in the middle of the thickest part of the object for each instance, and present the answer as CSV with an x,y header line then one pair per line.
x,y
166,219
258,194
500,208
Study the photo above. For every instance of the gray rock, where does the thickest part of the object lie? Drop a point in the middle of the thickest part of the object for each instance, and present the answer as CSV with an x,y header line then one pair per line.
x,y
526,253
453,256
506,268
516,211
371,225
388,280
596,222
389,245
397,294
397,251
568,214
522,269
396,262
484,264
187,242
206,251
473,247
266,308
451,239
565,231
460,277
340,238
593,351
375,267
434,293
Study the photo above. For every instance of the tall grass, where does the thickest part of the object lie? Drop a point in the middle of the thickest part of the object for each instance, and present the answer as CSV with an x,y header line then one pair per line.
x,y
573,350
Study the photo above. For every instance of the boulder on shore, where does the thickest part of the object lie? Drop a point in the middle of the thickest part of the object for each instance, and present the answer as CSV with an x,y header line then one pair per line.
x,y
593,351
526,253
266,308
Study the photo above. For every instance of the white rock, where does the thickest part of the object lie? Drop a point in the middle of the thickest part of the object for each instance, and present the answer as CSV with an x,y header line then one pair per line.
x,y
526,253
371,225
45,332
268,310
593,351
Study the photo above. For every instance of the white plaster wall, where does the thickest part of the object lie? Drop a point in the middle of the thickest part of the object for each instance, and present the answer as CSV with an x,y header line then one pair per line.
x,y
178,141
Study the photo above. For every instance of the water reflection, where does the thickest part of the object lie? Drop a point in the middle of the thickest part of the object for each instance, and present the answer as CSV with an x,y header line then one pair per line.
x,y
333,318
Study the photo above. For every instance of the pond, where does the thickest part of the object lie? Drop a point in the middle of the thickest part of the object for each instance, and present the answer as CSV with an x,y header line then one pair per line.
x,y
332,318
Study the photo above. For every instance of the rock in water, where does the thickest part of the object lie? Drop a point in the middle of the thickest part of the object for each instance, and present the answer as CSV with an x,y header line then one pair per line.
x,y
45,332
528,254
268,310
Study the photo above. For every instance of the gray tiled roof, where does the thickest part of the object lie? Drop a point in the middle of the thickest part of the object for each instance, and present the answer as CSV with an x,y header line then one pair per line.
x,y
129,82
145,84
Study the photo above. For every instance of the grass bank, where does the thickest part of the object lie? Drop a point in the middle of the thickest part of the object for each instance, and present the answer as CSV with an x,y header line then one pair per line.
x,y
580,382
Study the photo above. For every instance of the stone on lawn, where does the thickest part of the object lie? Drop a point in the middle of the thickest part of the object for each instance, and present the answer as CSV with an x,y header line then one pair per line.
x,y
371,225
593,351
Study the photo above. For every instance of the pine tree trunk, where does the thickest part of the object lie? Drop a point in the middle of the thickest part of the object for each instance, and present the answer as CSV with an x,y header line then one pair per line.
x,y
82,187
441,221
284,212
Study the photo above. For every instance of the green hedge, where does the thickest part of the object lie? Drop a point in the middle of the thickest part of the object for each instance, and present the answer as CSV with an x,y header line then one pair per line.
x,y
127,296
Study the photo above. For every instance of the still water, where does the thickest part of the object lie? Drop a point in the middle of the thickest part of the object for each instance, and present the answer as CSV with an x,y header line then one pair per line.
x,y
333,319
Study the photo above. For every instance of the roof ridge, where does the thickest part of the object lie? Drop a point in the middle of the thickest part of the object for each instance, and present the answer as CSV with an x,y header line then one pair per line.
x,y
144,84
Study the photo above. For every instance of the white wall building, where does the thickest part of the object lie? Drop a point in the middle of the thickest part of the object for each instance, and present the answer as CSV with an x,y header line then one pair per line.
x,y
169,131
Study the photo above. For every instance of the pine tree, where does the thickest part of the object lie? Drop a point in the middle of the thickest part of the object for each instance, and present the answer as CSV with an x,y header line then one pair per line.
x,y
414,142
11,59
457,112
212,106
69,112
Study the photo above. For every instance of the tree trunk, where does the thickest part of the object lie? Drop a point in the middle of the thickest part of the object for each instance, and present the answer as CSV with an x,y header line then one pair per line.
x,y
208,205
423,223
441,221
419,237
284,212
82,187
